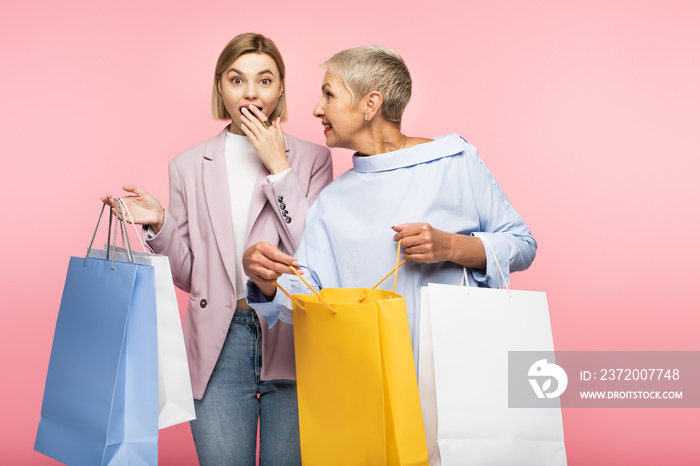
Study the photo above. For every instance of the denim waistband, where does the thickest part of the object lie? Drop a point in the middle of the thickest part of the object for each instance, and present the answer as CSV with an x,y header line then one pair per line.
x,y
245,316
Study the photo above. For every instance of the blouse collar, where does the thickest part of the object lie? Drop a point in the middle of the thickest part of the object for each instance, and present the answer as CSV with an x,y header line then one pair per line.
x,y
438,148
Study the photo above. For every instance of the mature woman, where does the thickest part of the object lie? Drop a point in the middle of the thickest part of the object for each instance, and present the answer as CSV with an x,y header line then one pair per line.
x,y
437,196
250,183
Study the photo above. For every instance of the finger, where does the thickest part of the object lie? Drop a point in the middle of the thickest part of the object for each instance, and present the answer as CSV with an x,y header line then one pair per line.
x,y
257,113
250,130
264,273
128,206
409,242
406,231
425,258
246,130
134,189
251,121
252,136
266,268
108,200
278,127
419,248
274,254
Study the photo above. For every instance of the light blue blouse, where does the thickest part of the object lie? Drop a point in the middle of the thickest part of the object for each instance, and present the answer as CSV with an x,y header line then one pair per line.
x,y
348,241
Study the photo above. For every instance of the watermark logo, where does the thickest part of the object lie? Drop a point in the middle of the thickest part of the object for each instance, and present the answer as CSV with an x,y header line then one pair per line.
x,y
603,379
543,371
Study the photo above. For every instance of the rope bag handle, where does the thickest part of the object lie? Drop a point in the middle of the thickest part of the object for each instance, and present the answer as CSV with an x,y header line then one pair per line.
x,y
361,298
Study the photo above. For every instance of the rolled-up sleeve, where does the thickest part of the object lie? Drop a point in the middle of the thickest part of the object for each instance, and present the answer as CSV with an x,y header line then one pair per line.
x,y
499,223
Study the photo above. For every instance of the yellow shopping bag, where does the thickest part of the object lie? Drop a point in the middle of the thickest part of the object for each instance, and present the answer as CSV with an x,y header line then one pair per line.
x,y
356,380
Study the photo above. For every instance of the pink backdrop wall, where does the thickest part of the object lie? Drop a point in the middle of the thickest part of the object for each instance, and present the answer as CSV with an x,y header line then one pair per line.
x,y
586,114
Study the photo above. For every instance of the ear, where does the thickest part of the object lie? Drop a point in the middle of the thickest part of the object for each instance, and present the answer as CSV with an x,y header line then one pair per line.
x,y
218,85
373,102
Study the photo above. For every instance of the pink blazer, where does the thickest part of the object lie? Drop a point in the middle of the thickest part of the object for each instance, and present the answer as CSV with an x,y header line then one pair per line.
x,y
198,238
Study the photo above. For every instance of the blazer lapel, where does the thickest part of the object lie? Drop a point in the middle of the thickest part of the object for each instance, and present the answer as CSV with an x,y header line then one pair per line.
x,y
218,198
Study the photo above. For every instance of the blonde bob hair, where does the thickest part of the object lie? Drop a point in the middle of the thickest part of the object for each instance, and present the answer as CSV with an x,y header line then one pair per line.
x,y
240,45
370,68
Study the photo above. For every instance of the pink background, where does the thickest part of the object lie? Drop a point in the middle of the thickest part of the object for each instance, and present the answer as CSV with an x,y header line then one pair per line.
x,y
586,114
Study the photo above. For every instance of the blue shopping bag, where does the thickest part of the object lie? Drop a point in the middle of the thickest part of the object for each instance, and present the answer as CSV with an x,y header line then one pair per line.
x,y
101,397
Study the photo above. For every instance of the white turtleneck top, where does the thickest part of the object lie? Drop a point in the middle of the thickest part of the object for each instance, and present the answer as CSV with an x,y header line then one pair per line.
x,y
242,167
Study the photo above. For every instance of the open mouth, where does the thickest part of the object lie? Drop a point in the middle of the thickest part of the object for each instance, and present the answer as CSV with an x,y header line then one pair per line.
x,y
240,109
327,127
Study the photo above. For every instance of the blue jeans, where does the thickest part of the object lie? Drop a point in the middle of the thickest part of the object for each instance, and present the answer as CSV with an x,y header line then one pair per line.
x,y
227,416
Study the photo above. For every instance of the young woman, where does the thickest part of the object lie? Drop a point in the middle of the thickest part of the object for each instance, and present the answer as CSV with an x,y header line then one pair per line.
x,y
250,183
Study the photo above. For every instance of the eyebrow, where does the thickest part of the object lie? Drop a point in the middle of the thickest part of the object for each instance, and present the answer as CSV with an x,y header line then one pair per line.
x,y
259,74
325,85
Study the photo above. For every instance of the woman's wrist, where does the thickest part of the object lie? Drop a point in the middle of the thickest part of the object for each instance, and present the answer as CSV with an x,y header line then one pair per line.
x,y
278,166
268,290
160,222
467,250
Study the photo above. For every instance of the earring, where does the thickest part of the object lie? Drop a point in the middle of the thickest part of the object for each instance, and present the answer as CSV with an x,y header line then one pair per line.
x,y
366,119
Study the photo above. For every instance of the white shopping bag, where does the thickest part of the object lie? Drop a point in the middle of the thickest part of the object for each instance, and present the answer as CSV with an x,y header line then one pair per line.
x,y
175,400
466,413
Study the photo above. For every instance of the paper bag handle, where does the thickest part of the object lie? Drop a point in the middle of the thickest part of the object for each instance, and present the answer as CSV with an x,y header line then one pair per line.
x,y
130,218
120,204
110,251
318,295
501,275
299,302
395,269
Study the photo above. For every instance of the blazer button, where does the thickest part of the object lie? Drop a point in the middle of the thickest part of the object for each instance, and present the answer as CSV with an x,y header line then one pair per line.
x,y
283,206
285,213
280,199
203,303
288,219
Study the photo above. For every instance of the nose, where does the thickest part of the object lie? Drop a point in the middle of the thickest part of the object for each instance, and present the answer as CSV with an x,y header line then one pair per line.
x,y
318,111
251,90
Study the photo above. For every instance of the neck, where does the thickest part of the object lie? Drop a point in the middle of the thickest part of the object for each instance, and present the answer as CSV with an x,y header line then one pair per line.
x,y
379,139
233,129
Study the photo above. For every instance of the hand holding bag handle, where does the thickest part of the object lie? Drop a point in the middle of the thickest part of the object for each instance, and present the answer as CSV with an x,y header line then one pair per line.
x,y
361,298
131,220
501,275
318,295
110,251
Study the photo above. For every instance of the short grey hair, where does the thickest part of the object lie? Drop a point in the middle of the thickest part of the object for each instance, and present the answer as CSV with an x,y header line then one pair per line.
x,y
370,68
